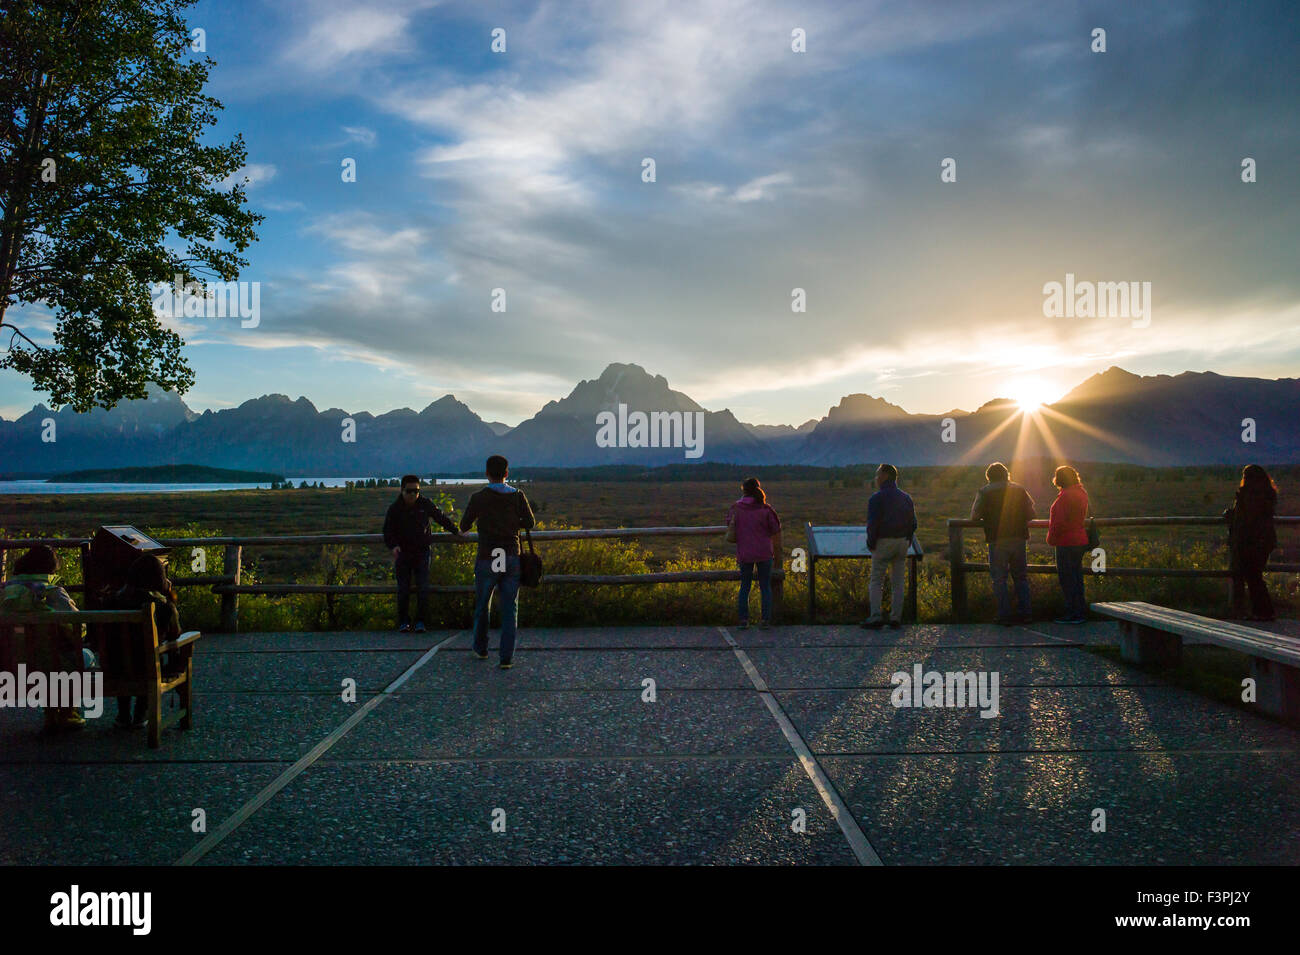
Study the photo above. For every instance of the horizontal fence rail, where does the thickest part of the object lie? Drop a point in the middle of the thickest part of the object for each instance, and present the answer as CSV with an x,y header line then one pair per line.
x,y
960,567
229,586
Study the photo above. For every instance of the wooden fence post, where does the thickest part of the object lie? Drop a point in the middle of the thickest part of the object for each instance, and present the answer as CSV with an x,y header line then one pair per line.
x,y
230,602
957,571
89,597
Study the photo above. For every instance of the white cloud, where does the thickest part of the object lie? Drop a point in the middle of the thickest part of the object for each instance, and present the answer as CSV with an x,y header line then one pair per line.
x,y
360,134
338,33
362,232
761,188
258,173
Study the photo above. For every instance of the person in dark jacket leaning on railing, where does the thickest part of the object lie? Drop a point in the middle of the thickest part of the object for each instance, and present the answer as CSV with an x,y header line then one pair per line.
x,y
1251,538
1004,509
407,535
501,512
891,522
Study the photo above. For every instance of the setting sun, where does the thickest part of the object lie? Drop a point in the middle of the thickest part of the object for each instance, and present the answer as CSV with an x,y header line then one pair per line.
x,y
1031,394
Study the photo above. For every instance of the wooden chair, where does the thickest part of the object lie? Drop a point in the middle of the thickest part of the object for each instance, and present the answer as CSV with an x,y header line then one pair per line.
x,y
127,642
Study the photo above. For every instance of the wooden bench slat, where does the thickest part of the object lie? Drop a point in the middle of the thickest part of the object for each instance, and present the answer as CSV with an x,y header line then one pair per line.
x,y
71,616
1261,643
184,640
1181,620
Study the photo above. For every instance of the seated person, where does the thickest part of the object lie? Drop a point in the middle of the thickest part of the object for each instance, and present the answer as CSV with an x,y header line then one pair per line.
x,y
56,648
146,582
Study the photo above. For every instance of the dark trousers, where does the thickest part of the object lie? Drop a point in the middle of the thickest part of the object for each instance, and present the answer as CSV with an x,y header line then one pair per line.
x,y
1007,559
1069,570
748,570
1248,575
407,564
124,707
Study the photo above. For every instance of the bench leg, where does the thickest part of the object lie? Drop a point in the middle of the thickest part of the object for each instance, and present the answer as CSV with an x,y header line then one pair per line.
x,y
1144,645
187,698
1277,688
155,716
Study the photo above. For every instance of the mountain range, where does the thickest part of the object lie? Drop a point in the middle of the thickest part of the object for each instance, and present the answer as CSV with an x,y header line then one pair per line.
x,y
1191,418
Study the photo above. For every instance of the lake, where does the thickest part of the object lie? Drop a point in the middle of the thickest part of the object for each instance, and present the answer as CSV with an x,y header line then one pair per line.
x,y
56,487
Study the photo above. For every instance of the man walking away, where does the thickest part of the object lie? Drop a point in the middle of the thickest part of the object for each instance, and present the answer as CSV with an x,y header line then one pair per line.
x,y
501,512
1004,508
891,522
407,535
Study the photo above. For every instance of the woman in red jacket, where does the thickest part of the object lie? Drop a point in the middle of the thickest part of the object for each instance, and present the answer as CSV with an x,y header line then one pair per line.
x,y
1067,531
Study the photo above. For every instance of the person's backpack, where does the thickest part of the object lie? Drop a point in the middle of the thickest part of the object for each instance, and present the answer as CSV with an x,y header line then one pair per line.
x,y
530,565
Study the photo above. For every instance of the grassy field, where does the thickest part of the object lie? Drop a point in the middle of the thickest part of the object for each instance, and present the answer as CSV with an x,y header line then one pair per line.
x,y
940,493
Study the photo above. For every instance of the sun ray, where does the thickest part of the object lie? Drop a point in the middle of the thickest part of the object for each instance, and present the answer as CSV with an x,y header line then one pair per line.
x,y
1053,446
968,456
1114,441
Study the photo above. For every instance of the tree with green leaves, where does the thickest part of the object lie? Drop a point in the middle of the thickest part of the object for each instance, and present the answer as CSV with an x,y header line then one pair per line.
x,y
106,189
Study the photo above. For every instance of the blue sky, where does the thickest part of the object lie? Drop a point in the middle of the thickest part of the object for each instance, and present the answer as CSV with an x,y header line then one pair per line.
x,y
819,170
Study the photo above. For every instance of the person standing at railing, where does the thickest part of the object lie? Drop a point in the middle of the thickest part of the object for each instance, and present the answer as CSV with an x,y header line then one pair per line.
x,y
891,522
407,535
1067,531
1252,536
756,530
1004,508
501,511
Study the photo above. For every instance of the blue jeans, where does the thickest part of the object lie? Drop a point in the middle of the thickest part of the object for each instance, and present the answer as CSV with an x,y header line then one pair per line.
x,y
1007,558
764,568
406,565
506,583
1069,569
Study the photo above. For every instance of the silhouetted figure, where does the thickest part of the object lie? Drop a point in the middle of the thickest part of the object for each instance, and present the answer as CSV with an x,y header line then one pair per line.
x,y
146,583
1251,538
1004,508
1067,531
501,512
407,535
891,522
757,531
56,648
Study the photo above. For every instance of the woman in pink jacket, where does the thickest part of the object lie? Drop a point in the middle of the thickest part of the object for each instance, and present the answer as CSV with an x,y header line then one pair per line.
x,y
1067,531
758,543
